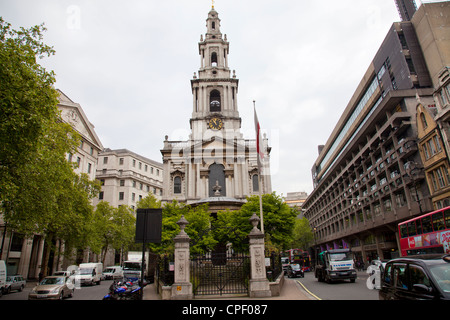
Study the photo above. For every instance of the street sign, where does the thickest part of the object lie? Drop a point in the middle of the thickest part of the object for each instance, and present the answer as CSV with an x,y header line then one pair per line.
x,y
148,226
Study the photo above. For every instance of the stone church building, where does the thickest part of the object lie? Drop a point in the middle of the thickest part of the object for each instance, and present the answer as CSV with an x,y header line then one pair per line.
x,y
216,165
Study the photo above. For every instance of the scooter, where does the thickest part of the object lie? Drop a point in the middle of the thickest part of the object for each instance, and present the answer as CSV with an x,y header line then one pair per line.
x,y
124,290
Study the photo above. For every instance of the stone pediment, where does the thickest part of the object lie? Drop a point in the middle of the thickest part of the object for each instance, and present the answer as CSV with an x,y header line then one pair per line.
x,y
218,143
73,114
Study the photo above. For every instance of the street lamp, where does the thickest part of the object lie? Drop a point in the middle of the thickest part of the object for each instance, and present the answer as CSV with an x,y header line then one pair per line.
x,y
410,167
315,247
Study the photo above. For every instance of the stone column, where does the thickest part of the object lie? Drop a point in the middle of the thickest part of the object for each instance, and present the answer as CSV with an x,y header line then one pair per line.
x,y
259,285
182,286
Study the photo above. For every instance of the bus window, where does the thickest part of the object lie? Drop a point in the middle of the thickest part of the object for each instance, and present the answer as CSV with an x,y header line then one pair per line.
x,y
419,226
412,228
447,218
438,221
404,231
426,225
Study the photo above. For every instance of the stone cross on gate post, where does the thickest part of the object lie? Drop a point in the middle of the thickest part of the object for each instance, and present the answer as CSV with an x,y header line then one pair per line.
x,y
182,287
259,286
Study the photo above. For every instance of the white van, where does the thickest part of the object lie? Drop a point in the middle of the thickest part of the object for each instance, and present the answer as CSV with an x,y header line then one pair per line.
x,y
113,272
2,277
88,273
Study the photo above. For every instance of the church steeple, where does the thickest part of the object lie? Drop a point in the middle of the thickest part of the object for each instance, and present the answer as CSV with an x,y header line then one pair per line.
x,y
214,90
213,25
216,164
214,49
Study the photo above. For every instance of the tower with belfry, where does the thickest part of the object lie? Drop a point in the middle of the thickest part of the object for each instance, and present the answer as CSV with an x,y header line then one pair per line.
x,y
216,165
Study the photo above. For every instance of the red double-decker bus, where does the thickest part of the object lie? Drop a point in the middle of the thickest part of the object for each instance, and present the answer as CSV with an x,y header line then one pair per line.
x,y
429,233
298,256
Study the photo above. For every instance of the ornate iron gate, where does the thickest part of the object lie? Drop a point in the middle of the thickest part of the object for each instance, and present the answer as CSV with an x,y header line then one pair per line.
x,y
220,273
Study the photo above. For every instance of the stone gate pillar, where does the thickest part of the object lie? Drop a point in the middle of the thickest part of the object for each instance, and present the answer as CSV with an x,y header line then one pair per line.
x,y
182,286
259,285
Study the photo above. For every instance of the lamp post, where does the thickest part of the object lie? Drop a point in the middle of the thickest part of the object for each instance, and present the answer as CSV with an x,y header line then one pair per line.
x,y
411,167
315,247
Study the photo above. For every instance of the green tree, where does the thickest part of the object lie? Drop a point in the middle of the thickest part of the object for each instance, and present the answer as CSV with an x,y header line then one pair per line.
x,y
39,191
149,202
232,227
198,229
279,218
27,103
111,228
302,234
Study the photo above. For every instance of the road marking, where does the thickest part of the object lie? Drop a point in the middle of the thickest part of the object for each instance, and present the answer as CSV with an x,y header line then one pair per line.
x,y
308,290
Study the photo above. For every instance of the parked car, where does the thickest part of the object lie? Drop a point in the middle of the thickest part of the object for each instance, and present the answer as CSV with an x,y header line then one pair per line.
x,y
113,272
294,271
53,288
2,276
423,277
15,283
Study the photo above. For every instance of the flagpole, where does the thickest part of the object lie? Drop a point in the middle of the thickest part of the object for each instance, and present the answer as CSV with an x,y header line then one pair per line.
x,y
260,203
261,216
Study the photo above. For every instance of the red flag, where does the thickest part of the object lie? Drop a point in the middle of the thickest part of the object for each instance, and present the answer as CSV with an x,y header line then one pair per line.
x,y
259,140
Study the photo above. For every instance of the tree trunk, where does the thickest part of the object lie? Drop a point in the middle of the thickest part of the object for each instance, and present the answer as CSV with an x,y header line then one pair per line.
x,y
46,253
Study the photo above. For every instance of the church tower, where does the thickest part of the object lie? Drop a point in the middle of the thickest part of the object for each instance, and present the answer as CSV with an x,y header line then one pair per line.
x,y
216,165
214,90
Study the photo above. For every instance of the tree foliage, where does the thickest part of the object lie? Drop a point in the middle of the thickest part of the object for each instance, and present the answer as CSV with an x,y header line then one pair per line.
x,y
279,219
302,234
112,228
39,191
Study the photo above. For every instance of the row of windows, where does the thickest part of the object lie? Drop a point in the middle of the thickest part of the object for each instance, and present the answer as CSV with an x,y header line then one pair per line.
x,y
444,95
101,195
135,185
177,184
70,159
436,222
140,165
359,108
440,178
91,150
431,147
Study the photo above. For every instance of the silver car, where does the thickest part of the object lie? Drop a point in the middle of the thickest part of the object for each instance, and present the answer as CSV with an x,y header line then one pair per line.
x,y
15,283
53,288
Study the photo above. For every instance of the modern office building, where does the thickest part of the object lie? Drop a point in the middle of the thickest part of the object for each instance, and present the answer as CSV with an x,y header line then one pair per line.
x,y
295,200
370,176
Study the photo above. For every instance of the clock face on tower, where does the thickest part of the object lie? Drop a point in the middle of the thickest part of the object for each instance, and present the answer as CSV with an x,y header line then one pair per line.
x,y
215,124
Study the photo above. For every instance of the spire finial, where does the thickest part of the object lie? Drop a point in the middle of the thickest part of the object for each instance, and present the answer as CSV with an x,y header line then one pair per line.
x,y
213,3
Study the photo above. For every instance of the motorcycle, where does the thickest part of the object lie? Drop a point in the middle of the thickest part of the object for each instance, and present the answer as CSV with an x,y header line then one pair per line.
x,y
128,289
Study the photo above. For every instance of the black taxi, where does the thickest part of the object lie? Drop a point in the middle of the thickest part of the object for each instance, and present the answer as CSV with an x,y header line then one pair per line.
x,y
422,277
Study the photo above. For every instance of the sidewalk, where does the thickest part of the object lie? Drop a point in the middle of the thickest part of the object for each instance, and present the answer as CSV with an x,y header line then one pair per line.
x,y
290,291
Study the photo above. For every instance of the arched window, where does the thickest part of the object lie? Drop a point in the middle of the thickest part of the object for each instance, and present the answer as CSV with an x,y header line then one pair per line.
x,y
214,59
255,182
177,185
214,101
424,121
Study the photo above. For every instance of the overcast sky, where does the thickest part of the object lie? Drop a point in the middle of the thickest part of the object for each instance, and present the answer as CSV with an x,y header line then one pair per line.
x,y
129,65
